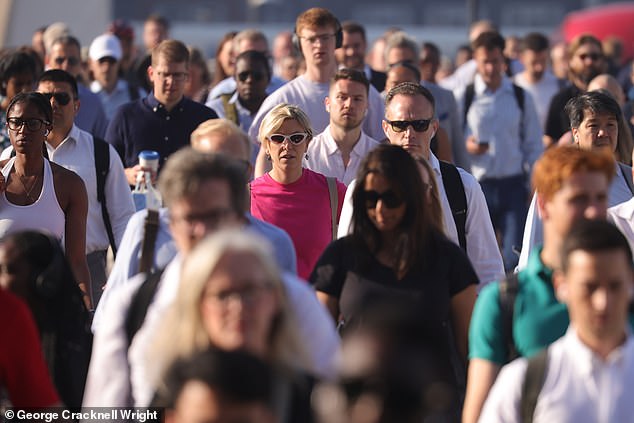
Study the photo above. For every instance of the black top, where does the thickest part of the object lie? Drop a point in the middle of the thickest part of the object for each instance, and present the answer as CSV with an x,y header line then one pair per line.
x,y
557,122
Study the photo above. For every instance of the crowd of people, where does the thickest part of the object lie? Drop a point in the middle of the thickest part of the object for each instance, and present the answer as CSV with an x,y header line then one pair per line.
x,y
349,232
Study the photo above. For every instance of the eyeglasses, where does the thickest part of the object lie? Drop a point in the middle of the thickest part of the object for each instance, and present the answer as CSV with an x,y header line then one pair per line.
x,y
210,218
61,98
296,138
388,198
418,125
176,76
592,56
247,294
72,61
323,38
32,124
255,75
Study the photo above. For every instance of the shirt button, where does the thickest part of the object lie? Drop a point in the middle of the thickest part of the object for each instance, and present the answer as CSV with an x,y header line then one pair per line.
x,y
167,138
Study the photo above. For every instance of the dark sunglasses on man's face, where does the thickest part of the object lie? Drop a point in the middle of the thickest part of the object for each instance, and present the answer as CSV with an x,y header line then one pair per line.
x,y
61,98
257,76
389,199
418,125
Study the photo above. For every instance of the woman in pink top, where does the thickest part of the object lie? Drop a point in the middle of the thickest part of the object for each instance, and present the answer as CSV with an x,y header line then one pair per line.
x,y
289,196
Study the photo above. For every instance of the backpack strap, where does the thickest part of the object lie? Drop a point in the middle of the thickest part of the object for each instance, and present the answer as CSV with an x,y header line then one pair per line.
x,y
102,167
454,188
469,94
509,288
140,304
534,379
231,111
150,231
519,98
334,204
627,175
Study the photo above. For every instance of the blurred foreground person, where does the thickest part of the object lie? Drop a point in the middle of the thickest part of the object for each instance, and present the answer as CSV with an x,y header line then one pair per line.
x,y
587,375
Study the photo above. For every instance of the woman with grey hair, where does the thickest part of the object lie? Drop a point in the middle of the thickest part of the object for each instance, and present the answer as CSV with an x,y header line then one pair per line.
x,y
304,203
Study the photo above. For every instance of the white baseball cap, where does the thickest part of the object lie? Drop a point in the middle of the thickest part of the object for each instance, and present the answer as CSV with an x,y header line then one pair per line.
x,y
106,45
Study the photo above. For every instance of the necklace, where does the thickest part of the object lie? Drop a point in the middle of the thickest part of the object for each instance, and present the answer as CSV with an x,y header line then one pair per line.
x,y
28,191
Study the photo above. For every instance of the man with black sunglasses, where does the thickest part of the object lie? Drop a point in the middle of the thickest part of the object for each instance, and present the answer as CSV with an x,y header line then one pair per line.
x,y
65,54
252,76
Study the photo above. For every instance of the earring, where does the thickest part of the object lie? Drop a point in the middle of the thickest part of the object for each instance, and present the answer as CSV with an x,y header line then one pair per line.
x,y
306,156
268,157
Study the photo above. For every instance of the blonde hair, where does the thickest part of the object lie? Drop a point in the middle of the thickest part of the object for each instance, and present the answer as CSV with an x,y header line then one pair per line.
x,y
183,332
278,115
223,127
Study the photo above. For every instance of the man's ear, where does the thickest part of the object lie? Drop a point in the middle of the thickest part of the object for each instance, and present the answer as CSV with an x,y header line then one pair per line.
x,y
327,104
540,205
77,105
575,135
385,125
150,73
561,286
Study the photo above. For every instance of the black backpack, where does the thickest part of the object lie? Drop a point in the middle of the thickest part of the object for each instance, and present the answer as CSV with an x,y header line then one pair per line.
x,y
454,188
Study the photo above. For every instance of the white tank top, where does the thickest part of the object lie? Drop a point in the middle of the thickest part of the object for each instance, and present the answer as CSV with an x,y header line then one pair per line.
x,y
44,214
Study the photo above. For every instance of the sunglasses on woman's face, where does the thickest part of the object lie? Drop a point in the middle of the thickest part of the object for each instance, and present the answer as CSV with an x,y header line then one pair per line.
x,y
389,199
296,138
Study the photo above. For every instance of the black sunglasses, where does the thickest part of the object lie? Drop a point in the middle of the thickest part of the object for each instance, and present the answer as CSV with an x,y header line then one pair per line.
x,y
389,199
419,125
257,76
61,98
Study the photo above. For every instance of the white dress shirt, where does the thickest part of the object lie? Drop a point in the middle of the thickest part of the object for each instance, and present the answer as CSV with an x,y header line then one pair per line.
x,y
579,387
325,157
482,248
534,229
77,153
118,374
622,215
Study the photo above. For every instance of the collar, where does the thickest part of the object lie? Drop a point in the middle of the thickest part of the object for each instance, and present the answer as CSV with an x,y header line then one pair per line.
x,y
535,266
624,210
71,137
156,105
481,88
587,361
435,165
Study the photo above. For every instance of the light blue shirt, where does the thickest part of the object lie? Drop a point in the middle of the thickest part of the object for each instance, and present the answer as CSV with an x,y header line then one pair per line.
x,y
119,96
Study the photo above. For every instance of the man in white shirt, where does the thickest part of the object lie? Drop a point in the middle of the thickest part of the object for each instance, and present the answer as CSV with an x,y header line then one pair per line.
x,y
318,33
74,149
409,122
536,78
339,150
587,375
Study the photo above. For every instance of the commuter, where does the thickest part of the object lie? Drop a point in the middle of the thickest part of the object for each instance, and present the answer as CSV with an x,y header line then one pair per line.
x,y
351,54
125,33
65,54
17,74
164,119
409,122
622,216
282,47
400,72
395,252
226,267
503,139
595,119
298,200
560,60
586,62
105,56
197,85
318,34
522,315
224,59
35,188
586,375
155,31
339,150
536,78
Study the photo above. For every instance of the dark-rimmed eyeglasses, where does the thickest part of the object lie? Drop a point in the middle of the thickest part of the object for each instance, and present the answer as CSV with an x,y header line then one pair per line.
x,y
255,75
61,98
175,76
323,38
389,199
32,124
419,125
296,138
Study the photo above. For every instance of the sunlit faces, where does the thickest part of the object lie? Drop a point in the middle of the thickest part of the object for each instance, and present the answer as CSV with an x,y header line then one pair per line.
x,y
347,103
351,54
399,74
209,209
106,72
240,304
587,62
401,54
252,77
597,289
23,139
535,62
384,203
582,195
65,57
63,114
597,130
169,80
19,83
318,45
287,156
15,271
490,65
408,108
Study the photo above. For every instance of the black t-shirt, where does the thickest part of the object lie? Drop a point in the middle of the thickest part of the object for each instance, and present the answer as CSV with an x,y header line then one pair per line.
x,y
557,122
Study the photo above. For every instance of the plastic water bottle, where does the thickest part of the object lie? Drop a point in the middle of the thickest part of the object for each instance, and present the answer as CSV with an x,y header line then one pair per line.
x,y
145,194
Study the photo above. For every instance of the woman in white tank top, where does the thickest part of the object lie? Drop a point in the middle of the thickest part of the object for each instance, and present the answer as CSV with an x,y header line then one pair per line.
x,y
38,194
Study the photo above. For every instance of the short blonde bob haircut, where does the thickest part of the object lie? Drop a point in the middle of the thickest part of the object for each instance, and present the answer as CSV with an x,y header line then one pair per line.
x,y
278,115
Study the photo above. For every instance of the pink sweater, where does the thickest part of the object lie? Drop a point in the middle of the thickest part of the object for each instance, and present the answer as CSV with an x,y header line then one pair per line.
x,y
302,209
